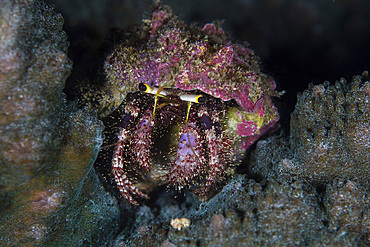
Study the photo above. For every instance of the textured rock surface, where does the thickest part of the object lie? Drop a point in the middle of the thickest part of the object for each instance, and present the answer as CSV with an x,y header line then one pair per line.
x,y
48,189
34,66
347,205
330,131
329,135
246,213
328,149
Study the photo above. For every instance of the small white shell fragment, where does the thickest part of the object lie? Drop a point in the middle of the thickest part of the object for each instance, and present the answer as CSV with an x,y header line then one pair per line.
x,y
179,223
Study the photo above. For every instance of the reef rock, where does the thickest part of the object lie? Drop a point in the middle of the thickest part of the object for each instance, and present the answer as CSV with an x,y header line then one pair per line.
x,y
330,130
47,187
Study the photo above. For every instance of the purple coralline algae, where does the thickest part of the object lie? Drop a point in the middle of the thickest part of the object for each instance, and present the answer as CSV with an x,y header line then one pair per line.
x,y
167,53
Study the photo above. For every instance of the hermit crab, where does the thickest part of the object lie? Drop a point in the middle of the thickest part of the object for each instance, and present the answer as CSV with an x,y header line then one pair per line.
x,y
193,101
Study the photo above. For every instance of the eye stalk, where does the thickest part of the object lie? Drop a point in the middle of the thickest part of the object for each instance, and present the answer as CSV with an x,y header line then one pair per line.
x,y
143,87
201,99
195,98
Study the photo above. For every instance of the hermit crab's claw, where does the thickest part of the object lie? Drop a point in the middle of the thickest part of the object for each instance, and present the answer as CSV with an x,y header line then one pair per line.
x,y
138,135
189,161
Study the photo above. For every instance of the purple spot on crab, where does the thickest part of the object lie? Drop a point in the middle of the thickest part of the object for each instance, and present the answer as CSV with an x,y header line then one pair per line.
x,y
185,144
189,159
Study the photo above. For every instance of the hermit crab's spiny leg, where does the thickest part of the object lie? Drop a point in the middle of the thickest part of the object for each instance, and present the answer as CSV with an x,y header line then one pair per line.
x,y
215,144
126,187
142,141
189,159
124,184
123,134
